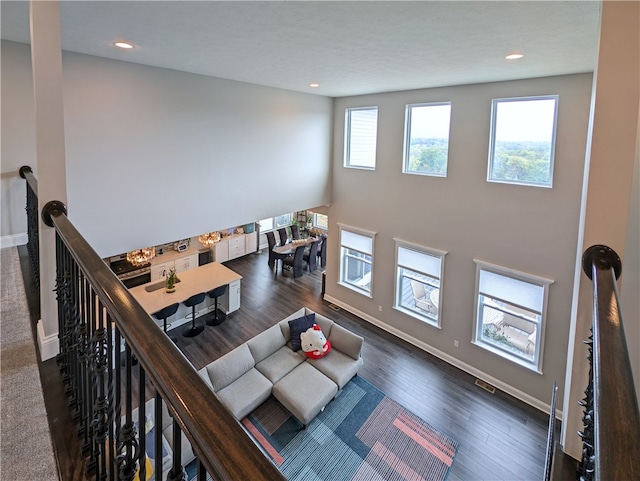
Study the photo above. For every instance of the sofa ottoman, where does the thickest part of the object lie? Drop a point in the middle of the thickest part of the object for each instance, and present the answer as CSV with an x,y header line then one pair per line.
x,y
304,392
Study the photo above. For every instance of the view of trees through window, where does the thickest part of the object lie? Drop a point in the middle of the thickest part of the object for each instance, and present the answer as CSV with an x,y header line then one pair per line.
x,y
522,141
427,138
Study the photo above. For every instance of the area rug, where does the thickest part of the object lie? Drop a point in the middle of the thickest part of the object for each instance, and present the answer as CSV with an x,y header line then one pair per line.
x,y
361,435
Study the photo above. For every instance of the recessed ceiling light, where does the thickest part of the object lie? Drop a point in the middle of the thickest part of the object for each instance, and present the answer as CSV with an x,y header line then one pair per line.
x,y
314,85
514,56
123,45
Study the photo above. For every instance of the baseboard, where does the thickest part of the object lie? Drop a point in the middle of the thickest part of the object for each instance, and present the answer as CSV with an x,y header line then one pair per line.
x,y
48,345
507,388
13,240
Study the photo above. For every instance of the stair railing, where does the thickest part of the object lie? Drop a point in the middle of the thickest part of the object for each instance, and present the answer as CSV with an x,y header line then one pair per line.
x,y
611,435
33,243
103,331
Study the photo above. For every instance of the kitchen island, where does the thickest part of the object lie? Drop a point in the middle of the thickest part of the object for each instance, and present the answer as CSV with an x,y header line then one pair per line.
x,y
153,297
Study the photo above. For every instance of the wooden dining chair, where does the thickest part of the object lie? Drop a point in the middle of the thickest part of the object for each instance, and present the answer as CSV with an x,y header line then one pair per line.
x,y
295,262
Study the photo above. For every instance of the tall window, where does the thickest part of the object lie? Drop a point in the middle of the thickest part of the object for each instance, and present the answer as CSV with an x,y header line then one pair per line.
x,y
361,130
356,259
418,274
271,223
426,145
523,133
321,221
510,314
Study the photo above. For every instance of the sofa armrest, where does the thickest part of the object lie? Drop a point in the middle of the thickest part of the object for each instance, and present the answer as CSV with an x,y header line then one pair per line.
x,y
346,341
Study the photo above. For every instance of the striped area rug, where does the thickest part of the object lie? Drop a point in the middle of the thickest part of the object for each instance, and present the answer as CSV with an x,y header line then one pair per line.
x,y
361,435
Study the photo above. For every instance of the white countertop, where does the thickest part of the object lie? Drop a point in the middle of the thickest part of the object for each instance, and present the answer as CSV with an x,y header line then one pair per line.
x,y
193,281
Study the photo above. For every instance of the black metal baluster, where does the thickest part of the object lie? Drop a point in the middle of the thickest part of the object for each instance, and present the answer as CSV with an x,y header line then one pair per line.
x,y
177,472
157,432
117,408
127,443
102,407
202,471
142,424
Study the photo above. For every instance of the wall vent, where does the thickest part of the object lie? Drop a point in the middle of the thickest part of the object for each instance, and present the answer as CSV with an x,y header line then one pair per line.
x,y
487,387
334,307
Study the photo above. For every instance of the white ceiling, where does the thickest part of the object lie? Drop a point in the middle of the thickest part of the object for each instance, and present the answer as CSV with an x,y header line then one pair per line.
x,y
350,48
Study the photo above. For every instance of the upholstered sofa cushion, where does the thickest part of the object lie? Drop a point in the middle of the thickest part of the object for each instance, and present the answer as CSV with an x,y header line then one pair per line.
x,y
304,392
279,364
266,343
226,369
346,341
338,367
245,393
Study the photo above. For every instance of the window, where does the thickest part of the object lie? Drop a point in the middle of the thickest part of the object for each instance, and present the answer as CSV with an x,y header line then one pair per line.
x,y
272,223
361,129
510,314
356,259
523,133
321,221
418,274
426,145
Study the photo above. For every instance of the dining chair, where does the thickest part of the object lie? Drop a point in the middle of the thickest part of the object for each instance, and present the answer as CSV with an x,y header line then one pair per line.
x,y
295,261
322,252
310,257
295,231
273,256
283,235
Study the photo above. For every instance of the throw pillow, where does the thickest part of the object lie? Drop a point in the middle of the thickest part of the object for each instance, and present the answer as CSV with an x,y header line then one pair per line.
x,y
314,344
299,325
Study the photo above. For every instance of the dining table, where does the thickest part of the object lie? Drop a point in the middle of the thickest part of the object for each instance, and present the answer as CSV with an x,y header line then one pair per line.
x,y
290,247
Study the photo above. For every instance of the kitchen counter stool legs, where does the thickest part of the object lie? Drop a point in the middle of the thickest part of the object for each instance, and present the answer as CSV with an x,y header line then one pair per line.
x,y
192,302
218,316
165,313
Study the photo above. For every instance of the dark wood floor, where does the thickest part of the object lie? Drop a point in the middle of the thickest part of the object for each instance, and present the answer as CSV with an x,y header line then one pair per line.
x,y
500,438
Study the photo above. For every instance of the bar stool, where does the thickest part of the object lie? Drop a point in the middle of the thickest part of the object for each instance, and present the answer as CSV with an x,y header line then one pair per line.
x,y
192,302
165,313
218,316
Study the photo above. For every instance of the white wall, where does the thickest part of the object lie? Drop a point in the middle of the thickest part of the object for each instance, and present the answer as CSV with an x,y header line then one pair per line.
x,y
524,228
155,155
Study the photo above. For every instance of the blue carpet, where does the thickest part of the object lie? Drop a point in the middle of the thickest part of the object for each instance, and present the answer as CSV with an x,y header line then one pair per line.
x,y
361,435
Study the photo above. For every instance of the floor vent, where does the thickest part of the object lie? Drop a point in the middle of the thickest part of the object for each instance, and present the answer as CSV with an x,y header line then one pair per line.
x,y
334,307
485,386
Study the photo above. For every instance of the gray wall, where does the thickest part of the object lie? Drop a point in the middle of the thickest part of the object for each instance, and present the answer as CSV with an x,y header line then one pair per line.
x,y
155,155
529,229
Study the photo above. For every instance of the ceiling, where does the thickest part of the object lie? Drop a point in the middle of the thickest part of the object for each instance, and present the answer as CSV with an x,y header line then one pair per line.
x,y
350,48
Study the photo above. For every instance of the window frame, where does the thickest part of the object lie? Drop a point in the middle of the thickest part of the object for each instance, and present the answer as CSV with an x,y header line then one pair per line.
x,y
348,137
407,139
477,334
416,312
274,223
344,255
492,140
315,224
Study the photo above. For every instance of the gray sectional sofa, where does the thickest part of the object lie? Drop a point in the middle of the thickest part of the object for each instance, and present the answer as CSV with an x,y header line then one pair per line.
x,y
266,364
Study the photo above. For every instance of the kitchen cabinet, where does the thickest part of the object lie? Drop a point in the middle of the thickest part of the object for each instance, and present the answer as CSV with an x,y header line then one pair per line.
x,y
161,267
185,263
234,246
230,302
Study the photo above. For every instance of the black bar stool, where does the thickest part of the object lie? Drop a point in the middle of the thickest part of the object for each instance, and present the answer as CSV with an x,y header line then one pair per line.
x,y
165,313
218,315
192,302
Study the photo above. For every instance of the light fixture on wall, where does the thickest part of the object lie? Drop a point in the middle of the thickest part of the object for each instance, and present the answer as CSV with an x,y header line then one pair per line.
x,y
209,239
123,45
141,256
514,56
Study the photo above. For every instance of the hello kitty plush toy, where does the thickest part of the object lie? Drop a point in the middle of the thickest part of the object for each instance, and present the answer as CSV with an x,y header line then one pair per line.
x,y
313,342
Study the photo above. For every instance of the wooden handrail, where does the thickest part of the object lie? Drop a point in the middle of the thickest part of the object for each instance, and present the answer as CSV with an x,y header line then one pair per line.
x,y
216,437
616,416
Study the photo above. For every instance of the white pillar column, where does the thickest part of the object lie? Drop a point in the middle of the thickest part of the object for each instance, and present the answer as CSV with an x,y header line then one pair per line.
x,y
46,60
607,186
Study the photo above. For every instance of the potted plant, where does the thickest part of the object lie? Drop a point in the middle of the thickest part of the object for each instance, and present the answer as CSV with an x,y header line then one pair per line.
x,y
172,278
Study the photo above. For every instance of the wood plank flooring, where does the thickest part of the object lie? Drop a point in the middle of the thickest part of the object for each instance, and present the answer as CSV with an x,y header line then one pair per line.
x,y
500,438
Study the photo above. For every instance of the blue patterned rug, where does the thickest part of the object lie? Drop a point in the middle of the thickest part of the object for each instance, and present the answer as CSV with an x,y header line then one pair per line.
x,y
361,435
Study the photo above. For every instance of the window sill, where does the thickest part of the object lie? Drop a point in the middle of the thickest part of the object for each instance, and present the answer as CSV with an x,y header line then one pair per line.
x,y
508,357
356,289
416,315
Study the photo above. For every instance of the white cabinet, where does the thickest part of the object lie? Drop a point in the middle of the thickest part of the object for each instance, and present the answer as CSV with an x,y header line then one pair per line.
x,y
236,246
221,251
230,302
251,242
187,262
159,271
